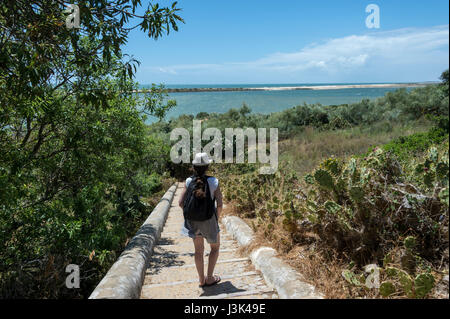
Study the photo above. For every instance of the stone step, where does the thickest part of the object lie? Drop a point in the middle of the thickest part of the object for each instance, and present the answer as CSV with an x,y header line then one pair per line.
x,y
176,226
188,244
168,259
179,235
233,260
189,289
188,248
160,250
169,274
189,281
249,294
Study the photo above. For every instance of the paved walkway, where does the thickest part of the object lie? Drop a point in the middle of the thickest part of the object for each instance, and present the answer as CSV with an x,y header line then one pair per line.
x,y
171,273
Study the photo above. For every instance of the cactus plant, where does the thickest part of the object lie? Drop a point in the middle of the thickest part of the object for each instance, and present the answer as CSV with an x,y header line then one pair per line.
x,y
309,179
387,259
356,194
311,205
433,154
442,170
364,176
423,283
428,179
332,165
288,214
407,285
341,185
375,190
444,196
351,277
324,179
352,169
409,242
387,288
332,207
406,282
403,278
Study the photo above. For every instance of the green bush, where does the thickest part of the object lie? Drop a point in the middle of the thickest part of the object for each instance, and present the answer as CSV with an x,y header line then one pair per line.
x,y
364,208
403,147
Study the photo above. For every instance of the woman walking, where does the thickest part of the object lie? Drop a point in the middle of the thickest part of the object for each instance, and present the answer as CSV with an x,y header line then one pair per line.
x,y
202,205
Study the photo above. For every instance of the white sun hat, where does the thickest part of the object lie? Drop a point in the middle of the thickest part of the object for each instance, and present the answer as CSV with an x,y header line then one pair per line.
x,y
201,159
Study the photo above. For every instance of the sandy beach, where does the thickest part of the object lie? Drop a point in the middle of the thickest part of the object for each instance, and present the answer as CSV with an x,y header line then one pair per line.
x,y
344,86
292,88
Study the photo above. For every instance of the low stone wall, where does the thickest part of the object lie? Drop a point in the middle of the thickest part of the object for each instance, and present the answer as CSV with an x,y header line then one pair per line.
x,y
286,280
124,279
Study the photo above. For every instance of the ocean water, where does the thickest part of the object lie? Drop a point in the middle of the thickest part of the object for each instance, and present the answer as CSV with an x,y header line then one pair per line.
x,y
264,101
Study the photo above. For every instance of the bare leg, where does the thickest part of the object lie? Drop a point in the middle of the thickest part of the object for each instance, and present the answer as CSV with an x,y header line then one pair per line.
x,y
199,251
213,255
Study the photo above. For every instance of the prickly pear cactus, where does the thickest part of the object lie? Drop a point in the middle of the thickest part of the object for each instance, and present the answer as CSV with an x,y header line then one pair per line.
x,y
423,284
433,154
387,288
356,194
388,259
341,185
351,277
428,179
332,207
332,165
309,179
353,170
410,242
365,176
406,282
324,179
442,170
444,196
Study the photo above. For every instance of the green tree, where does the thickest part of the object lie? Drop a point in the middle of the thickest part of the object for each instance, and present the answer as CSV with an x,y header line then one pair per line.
x,y
74,153
444,84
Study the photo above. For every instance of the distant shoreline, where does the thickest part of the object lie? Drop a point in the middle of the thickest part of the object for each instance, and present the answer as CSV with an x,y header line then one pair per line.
x,y
293,88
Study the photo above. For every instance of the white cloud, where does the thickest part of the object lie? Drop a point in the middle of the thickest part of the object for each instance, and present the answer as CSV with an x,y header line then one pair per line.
x,y
355,51
393,52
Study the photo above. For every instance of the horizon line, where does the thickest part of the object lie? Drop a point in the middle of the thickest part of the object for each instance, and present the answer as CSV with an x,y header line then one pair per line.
x,y
297,83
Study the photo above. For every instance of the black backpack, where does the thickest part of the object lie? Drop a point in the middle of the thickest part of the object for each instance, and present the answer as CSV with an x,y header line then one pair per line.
x,y
198,209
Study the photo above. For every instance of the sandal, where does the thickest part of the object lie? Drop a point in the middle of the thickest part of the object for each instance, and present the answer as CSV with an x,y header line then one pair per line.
x,y
217,279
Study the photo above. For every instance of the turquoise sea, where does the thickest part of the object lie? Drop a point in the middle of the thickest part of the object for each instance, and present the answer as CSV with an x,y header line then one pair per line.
x,y
264,101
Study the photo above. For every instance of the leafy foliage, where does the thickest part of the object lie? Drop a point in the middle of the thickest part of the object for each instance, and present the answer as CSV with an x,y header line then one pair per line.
x,y
76,158
361,208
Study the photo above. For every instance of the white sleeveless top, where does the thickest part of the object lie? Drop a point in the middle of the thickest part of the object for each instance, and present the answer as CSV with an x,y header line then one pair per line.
x,y
213,183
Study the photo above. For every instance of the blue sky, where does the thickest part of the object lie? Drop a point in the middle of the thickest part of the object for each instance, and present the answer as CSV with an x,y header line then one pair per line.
x,y
296,41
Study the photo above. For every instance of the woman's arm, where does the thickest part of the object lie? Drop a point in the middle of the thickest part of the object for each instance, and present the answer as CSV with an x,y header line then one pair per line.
x,y
183,195
218,195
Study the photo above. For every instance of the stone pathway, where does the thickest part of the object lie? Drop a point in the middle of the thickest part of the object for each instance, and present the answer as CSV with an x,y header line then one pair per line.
x,y
171,273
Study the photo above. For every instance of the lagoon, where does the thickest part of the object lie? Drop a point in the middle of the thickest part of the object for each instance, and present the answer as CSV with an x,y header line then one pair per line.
x,y
264,102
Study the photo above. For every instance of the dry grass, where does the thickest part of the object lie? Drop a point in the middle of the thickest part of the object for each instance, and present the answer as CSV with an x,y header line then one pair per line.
x,y
318,266
306,150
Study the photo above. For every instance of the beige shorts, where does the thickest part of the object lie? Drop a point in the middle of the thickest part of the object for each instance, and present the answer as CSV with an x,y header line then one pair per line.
x,y
208,229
